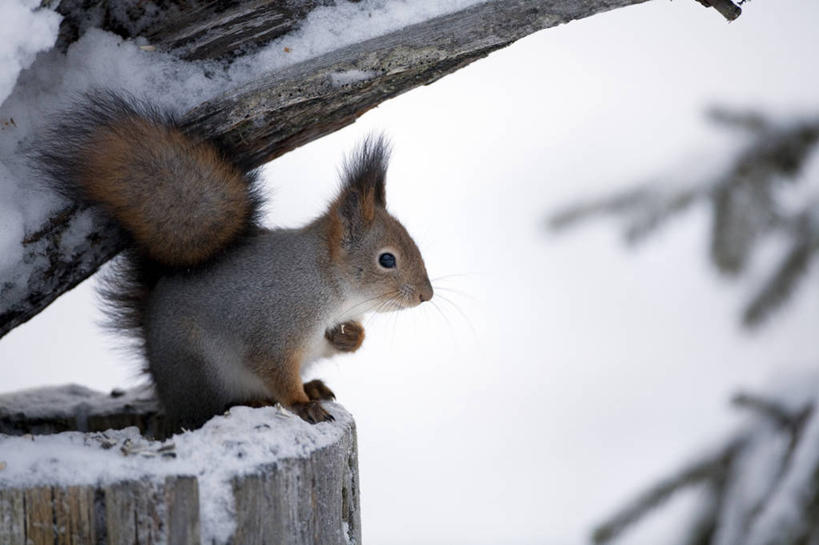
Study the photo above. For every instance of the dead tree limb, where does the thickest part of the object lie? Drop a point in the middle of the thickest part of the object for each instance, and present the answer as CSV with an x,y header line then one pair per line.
x,y
281,111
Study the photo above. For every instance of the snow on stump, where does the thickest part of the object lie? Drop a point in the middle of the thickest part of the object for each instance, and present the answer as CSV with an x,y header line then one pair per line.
x,y
251,476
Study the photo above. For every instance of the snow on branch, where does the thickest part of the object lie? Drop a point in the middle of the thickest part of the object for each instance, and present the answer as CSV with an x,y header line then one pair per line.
x,y
327,64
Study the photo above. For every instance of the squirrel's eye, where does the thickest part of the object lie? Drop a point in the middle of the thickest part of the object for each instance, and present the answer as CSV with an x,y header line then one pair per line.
x,y
387,260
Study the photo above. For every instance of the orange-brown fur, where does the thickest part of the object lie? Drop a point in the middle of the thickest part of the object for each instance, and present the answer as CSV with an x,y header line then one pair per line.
x,y
284,382
335,234
132,167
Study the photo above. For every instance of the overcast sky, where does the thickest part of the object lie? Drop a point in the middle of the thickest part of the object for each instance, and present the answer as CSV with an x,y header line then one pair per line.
x,y
567,371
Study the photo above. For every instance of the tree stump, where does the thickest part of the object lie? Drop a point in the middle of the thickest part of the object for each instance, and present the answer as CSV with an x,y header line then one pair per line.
x,y
250,476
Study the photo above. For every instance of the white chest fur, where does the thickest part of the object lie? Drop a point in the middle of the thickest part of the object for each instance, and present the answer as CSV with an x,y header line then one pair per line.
x,y
318,347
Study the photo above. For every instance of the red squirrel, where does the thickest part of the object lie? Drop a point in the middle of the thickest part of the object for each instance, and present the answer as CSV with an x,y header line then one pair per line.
x,y
224,310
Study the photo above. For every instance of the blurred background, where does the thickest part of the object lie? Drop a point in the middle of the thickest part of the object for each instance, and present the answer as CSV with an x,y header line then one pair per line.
x,y
556,373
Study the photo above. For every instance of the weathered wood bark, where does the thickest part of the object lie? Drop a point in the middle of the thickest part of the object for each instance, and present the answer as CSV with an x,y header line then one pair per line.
x,y
281,111
193,29
309,499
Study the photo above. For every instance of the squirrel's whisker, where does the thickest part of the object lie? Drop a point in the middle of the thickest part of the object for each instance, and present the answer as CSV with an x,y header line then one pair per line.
x,y
460,312
452,276
446,320
456,292
365,302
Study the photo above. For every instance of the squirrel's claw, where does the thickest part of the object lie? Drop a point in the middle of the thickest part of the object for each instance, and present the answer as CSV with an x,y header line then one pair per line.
x,y
346,337
312,412
316,390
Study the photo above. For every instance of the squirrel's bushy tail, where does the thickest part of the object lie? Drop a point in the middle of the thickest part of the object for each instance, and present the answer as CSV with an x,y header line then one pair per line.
x,y
180,198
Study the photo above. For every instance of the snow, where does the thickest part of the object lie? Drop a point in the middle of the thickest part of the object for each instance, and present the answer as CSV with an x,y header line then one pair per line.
x,y
350,76
225,447
70,400
26,31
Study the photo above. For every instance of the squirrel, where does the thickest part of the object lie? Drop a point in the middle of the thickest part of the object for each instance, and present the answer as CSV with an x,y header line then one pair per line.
x,y
225,311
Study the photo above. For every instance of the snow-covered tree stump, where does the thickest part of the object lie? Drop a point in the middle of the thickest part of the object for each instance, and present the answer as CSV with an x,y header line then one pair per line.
x,y
251,476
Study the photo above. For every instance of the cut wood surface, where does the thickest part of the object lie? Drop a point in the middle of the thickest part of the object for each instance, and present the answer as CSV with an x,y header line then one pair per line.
x,y
280,111
254,476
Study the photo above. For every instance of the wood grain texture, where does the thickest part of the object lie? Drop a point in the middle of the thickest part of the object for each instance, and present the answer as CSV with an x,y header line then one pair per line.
x,y
310,501
182,505
281,111
12,517
74,515
39,516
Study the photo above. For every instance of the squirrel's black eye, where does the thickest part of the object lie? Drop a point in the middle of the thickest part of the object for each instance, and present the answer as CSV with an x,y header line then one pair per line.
x,y
387,260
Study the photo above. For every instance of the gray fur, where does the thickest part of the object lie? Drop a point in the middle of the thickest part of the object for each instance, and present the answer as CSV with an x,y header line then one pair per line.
x,y
201,327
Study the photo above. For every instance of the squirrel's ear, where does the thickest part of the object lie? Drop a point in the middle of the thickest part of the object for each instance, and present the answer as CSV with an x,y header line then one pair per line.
x,y
365,171
364,175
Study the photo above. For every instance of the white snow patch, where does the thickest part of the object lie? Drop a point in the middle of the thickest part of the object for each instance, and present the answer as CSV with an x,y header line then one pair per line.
x,y
329,28
226,447
26,31
347,77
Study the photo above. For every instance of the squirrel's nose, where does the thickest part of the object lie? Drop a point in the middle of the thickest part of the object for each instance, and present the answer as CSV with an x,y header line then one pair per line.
x,y
426,293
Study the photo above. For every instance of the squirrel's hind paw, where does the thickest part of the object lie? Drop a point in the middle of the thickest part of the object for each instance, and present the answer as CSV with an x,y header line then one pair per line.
x,y
312,412
316,390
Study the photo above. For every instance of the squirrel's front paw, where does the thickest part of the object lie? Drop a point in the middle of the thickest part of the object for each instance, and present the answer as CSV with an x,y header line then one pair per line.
x,y
316,390
346,337
312,412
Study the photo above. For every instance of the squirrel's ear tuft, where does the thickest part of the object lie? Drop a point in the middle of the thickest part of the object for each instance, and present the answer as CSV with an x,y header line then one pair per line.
x,y
365,170
363,176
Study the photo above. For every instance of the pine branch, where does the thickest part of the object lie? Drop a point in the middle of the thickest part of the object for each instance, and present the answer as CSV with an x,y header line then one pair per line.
x,y
610,205
772,410
705,524
745,204
725,470
742,212
711,469
659,212
781,286
750,121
